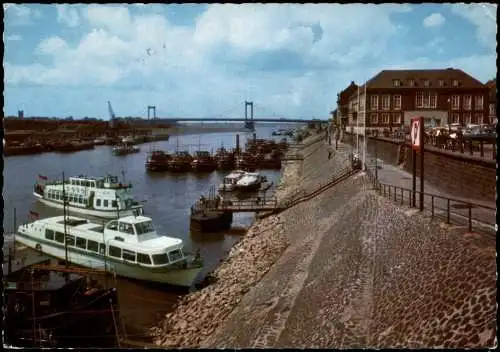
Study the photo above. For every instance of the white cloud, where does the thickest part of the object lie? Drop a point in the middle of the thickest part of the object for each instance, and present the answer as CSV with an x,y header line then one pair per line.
x,y
483,17
13,37
68,15
52,46
434,20
21,15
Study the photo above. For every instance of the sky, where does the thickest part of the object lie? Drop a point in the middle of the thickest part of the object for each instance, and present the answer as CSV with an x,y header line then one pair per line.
x,y
188,60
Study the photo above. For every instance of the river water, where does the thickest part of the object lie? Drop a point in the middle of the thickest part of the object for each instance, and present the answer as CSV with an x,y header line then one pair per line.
x,y
168,200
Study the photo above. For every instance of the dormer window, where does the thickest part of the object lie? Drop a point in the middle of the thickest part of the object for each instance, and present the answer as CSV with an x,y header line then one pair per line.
x,y
411,83
396,83
441,83
455,83
427,83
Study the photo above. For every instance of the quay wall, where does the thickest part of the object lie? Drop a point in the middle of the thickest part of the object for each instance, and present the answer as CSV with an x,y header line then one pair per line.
x,y
454,173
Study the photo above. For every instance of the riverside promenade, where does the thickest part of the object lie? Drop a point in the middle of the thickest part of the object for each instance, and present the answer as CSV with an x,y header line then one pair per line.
x,y
346,269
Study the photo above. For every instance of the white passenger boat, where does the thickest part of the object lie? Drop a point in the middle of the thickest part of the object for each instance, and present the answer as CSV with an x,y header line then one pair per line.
x,y
102,197
128,247
229,182
124,149
250,181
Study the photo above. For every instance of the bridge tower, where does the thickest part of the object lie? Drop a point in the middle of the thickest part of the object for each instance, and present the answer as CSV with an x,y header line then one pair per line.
x,y
152,107
249,121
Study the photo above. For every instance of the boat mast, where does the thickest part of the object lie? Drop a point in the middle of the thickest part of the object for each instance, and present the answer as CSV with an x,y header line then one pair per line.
x,y
64,215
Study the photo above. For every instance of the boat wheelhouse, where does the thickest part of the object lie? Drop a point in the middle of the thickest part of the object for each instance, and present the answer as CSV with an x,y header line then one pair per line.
x,y
229,182
250,181
129,247
103,197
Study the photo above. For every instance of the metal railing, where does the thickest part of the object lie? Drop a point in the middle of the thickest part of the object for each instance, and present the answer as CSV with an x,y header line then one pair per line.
x,y
441,206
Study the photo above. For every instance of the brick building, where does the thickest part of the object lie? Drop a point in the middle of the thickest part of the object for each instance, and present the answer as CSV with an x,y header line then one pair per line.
x,y
343,104
445,96
492,101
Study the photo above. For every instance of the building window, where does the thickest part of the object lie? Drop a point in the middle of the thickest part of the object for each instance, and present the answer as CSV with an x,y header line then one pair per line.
x,y
467,102
374,102
427,83
98,202
396,102
386,101
478,117
441,83
385,118
455,117
468,118
396,82
455,102
492,110
420,100
478,103
411,83
454,83
427,99
396,119
434,100
374,119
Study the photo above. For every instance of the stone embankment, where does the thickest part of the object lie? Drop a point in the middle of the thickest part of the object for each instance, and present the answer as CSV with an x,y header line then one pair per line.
x,y
197,315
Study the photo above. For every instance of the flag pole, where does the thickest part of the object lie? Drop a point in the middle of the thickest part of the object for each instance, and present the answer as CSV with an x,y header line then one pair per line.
x,y
357,127
364,132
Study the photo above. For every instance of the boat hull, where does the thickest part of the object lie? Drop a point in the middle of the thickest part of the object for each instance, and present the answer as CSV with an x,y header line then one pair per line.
x,y
89,212
248,188
183,277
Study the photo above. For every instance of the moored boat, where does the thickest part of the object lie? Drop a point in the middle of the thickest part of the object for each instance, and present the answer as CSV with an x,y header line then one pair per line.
x,y
229,182
103,197
224,159
128,246
50,309
250,182
180,162
203,161
124,149
158,161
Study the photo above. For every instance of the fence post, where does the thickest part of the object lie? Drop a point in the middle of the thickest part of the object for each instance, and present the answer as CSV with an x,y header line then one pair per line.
x,y
432,206
481,148
390,191
470,217
402,196
395,193
448,212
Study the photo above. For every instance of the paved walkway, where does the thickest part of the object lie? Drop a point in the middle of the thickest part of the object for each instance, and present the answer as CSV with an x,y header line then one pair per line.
x,y
397,176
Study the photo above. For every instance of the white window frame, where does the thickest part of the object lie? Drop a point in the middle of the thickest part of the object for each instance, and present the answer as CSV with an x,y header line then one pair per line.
x,y
374,102
419,99
427,100
396,83
396,101
467,118
454,83
427,83
492,109
479,102
386,118
386,98
455,117
374,118
434,100
411,82
455,102
467,102
441,82
396,119
479,117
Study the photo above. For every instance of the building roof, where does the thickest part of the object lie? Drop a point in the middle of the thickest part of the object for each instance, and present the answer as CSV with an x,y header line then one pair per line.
x,y
492,85
385,78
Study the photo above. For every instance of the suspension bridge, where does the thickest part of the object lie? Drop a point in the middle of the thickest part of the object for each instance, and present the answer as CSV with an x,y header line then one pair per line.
x,y
249,119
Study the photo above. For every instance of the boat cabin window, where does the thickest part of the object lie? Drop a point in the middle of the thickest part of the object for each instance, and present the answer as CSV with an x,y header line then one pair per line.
x,y
70,240
144,227
49,234
114,204
126,228
60,237
175,255
102,248
143,258
81,243
98,202
160,259
113,225
92,246
115,251
129,255
105,203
